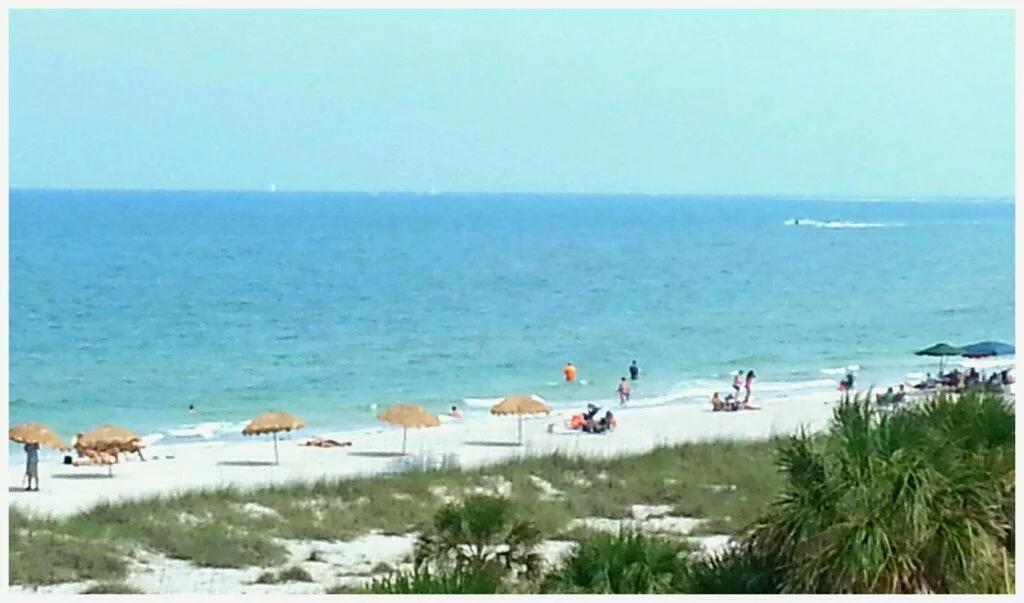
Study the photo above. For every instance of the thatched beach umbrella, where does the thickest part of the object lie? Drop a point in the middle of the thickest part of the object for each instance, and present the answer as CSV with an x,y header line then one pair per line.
x,y
273,422
941,350
103,444
408,416
36,433
521,405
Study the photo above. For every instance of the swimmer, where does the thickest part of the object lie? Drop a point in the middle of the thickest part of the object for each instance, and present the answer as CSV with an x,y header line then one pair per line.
x,y
634,371
624,391
455,413
569,372
191,409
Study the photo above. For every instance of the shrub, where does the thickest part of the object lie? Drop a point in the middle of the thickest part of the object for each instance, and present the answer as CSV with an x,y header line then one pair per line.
x,y
422,582
627,563
915,501
112,588
477,535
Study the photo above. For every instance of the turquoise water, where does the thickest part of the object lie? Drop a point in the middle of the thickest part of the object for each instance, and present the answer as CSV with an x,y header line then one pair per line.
x,y
127,307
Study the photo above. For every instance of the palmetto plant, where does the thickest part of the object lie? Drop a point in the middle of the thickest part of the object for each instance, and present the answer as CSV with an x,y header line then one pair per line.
x,y
915,501
480,534
422,582
626,563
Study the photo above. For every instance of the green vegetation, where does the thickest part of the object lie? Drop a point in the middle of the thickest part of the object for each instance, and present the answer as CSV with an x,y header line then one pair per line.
x,y
480,535
292,574
726,482
112,588
627,563
917,500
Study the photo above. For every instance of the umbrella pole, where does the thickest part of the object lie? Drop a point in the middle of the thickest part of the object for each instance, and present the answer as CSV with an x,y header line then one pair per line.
x,y
520,430
405,435
276,460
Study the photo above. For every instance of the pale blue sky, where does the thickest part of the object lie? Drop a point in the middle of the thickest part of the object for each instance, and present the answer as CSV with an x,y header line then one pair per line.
x,y
836,103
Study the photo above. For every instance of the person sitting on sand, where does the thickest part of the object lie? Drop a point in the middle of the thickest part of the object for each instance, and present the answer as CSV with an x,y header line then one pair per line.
x,y
887,398
606,423
900,396
319,442
737,383
716,403
624,391
455,413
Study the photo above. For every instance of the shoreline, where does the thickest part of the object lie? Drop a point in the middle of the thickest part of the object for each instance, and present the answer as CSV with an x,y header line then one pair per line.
x,y
66,490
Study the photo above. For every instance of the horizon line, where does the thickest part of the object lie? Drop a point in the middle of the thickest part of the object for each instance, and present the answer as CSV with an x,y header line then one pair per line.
x,y
435,192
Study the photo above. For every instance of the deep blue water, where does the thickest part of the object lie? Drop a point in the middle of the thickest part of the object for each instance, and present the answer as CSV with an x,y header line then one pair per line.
x,y
128,306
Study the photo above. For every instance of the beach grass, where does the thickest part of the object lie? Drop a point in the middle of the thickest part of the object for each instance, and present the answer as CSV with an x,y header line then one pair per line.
x,y
725,482
111,588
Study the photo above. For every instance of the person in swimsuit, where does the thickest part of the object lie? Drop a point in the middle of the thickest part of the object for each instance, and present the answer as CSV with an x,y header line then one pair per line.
x,y
634,371
624,391
747,386
737,382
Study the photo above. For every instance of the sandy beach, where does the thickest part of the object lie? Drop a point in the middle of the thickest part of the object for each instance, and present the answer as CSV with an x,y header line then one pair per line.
x,y
171,468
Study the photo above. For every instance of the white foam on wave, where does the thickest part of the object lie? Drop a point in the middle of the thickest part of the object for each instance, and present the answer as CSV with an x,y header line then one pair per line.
x,y
481,402
207,431
839,224
841,370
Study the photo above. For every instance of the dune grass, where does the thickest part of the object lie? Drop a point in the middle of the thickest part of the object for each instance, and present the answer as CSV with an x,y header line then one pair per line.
x,y
726,482
112,588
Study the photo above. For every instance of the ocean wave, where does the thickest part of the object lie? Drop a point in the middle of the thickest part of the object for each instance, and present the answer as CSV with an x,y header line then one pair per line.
x,y
841,370
206,431
839,224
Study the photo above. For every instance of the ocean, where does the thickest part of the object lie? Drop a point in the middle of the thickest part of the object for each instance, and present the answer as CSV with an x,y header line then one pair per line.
x,y
129,306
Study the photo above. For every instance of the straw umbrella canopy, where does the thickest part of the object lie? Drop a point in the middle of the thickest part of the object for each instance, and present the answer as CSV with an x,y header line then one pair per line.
x,y
273,422
105,443
408,416
110,438
36,433
520,405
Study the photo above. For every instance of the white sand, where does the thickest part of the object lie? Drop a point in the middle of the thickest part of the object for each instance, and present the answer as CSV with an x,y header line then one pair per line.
x,y
67,489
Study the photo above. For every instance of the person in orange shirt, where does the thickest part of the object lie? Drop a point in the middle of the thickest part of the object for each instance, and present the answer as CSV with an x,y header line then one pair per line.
x,y
570,372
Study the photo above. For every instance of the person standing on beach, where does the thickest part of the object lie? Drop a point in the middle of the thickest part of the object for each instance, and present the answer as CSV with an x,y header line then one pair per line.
x,y
569,372
737,382
748,385
32,465
634,371
624,391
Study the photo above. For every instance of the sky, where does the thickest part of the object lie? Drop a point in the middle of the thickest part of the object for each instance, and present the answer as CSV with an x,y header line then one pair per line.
x,y
831,103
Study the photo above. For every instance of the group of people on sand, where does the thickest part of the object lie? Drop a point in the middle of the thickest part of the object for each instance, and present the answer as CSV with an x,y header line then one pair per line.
x,y
972,378
588,423
735,401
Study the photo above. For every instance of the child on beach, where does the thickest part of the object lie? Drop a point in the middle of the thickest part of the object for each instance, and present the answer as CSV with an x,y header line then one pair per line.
x,y
624,391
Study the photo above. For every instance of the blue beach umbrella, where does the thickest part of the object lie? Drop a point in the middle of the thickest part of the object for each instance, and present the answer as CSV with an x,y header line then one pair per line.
x,y
984,349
